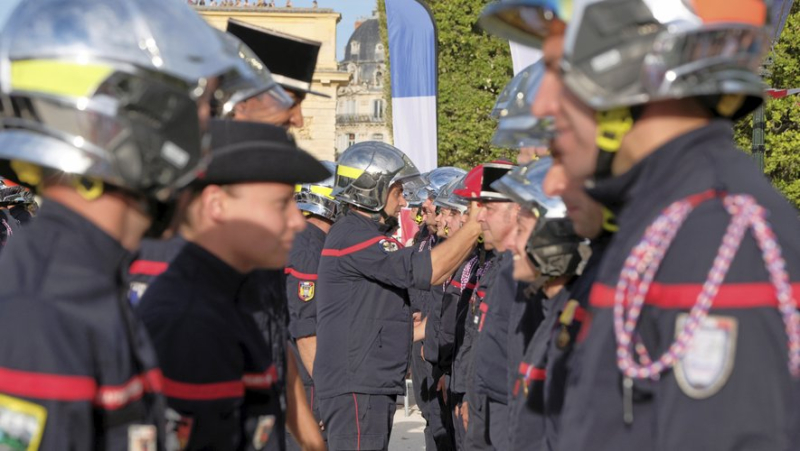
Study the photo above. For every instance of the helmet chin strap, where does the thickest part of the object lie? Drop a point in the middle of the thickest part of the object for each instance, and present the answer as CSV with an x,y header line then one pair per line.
x,y
612,126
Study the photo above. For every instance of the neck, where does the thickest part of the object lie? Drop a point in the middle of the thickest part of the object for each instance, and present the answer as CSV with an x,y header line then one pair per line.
x,y
111,213
660,123
322,224
553,286
369,215
216,244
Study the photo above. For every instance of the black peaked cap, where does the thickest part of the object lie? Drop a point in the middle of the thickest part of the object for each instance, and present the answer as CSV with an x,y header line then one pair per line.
x,y
243,152
290,59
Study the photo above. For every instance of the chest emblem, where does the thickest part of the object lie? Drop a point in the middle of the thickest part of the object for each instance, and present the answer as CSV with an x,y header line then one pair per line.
x,y
21,423
305,290
141,437
708,362
388,246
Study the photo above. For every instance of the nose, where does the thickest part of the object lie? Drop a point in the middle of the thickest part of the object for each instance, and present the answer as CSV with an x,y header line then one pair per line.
x,y
296,118
296,222
555,181
546,102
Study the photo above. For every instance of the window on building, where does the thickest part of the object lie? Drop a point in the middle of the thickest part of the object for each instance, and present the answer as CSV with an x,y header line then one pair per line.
x,y
378,78
377,109
355,46
350,107
377,136
351,139
379,52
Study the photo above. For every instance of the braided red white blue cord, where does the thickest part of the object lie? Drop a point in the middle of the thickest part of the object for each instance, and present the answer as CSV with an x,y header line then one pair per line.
x,y
643,263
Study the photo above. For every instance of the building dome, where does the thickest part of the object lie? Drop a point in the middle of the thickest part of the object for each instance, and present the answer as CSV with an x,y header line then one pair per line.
x,y
365,43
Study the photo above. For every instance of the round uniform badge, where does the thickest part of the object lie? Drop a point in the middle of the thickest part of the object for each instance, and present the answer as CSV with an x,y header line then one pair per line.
x,y
388,246
707,364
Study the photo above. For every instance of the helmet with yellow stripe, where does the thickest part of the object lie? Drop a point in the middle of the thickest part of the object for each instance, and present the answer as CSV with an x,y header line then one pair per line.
x,y
317,198
114,93
368,170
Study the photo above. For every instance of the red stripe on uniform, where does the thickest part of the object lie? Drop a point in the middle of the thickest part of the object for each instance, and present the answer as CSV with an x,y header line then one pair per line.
x,y
580,314
684,296
358,425
112,397
148,267
299,275
203,392
55,387
531,373
261,380
351,249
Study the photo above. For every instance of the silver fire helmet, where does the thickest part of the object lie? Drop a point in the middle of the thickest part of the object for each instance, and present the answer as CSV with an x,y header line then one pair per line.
x,y
367,170
517,127
317,198
115,91
446,199
524,21
434,181
553,246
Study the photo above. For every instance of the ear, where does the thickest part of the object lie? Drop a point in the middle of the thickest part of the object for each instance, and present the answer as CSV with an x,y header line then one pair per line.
x,y
214,201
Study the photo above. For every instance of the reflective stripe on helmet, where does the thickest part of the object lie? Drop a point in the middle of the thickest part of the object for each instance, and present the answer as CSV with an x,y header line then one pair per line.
x,y
58,77
346,171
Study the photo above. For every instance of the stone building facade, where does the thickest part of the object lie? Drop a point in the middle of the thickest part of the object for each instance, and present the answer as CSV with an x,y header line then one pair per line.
x,y
361,105
318,134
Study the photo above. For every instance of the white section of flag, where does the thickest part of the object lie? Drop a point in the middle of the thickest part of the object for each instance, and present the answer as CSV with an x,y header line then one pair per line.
x,y
414,122
523,56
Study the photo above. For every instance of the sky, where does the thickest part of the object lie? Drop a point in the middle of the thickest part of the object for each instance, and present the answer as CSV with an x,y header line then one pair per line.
x,y
351,11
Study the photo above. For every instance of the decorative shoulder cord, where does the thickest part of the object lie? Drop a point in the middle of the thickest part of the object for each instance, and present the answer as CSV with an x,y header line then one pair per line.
x,y
467,273
643,263
9,232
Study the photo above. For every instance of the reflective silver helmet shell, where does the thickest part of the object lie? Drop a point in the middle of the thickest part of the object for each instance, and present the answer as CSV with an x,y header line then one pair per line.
x,y
553,246
517,127
434,181
134,87
317,198
367,170
446,199
622,53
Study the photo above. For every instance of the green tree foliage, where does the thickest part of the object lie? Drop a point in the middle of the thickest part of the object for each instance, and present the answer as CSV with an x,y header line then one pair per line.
x,y
473,68
782,137
387,74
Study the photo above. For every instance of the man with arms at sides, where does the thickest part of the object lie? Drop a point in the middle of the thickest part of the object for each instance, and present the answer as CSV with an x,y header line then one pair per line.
x,y
107,147
320,209
218,369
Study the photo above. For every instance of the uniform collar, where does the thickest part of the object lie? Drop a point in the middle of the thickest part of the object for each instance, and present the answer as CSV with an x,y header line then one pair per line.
x,y
210,270
89,244
649,173
381,228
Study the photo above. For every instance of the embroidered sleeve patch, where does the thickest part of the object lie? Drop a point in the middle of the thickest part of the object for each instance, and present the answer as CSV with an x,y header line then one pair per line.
x,y
305,290
179,430
21,424
263,431
388,246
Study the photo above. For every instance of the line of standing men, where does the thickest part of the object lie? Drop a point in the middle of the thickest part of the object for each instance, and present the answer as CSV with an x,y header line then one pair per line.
x,y
533,341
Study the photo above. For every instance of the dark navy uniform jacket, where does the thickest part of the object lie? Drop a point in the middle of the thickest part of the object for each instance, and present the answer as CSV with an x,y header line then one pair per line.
x,y
11,221
743,398
153,258
76,370
218,371
421,300
445,315
301,281
364,327
491,358
463,377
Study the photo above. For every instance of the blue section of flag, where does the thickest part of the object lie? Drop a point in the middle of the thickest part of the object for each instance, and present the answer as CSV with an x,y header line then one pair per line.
x,y
780,12
412,49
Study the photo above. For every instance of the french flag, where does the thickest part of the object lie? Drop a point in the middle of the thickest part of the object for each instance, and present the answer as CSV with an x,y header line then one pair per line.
x,y
413,56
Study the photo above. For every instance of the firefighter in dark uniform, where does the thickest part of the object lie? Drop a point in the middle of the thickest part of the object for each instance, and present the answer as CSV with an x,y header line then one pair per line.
x,y
218,370
698,335
546,245
89,380
452,337
364,325
291,61
425,377
490,360
320,210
